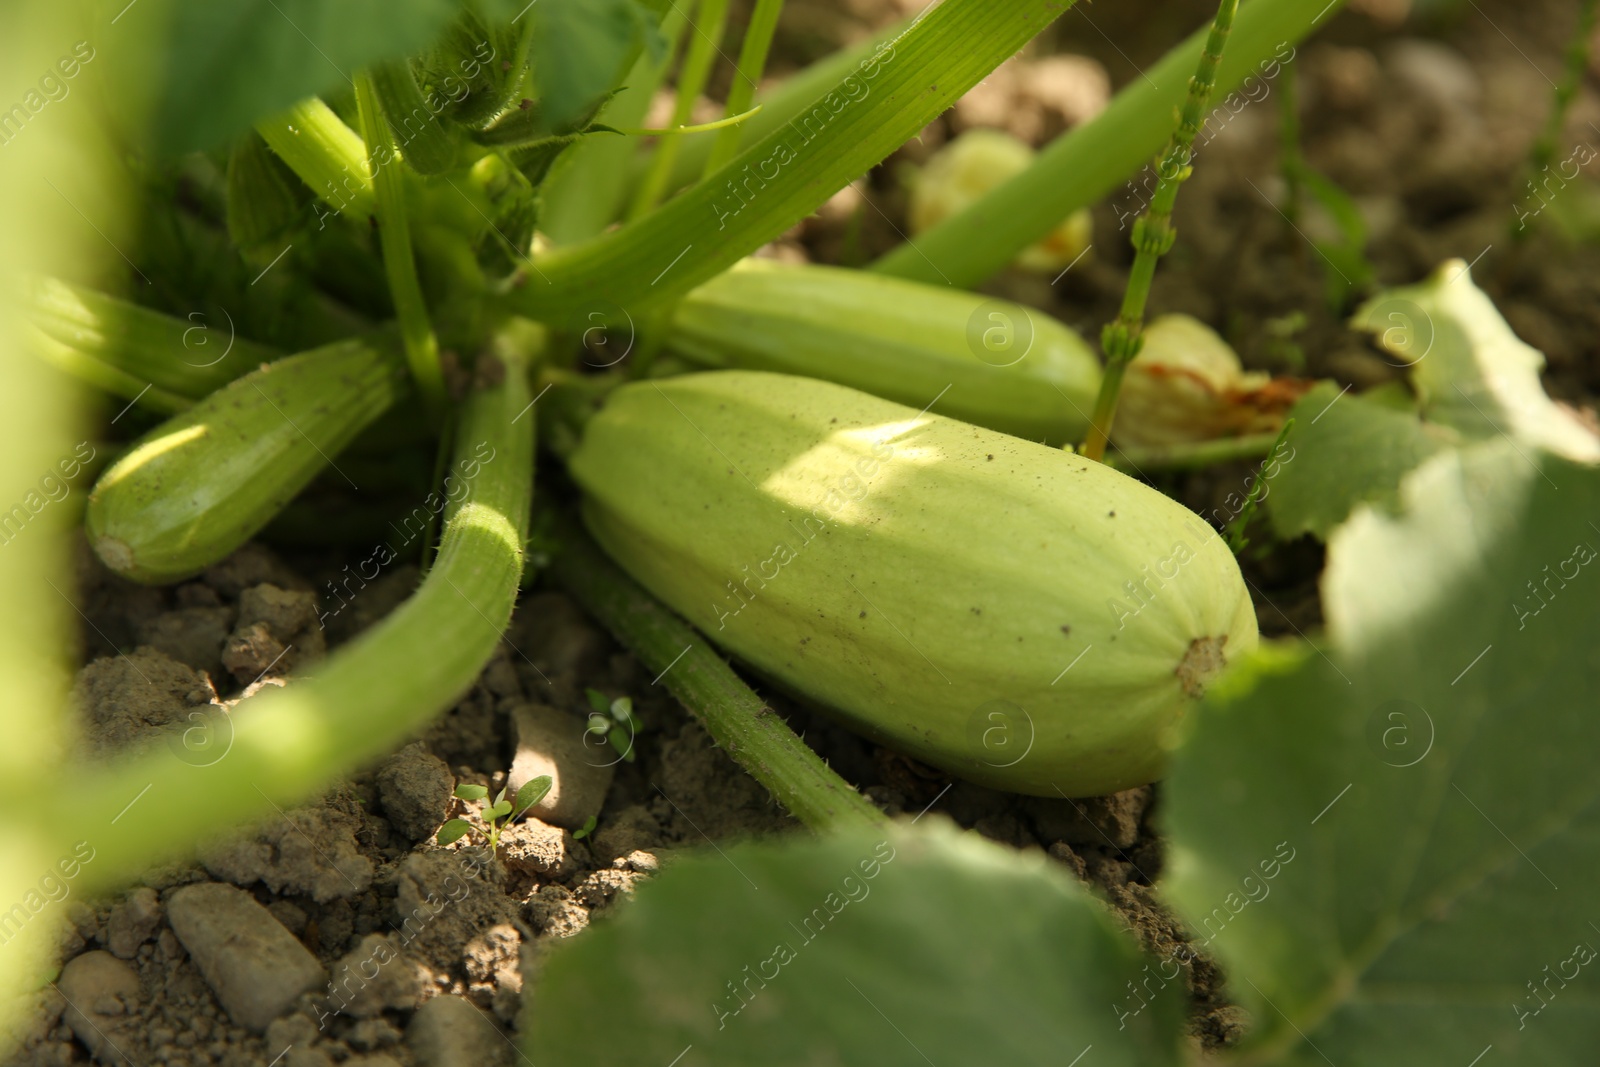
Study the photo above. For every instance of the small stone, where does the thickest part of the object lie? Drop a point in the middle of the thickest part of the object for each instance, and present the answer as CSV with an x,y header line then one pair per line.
x,y
256,968
101,992
448,1031
1102,821
132,922
415,787
537,848
1437,73
374,977
552,742
192,636
277,631
553,911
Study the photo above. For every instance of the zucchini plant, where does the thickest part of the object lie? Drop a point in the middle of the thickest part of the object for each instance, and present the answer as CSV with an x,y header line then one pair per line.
x,y
859,492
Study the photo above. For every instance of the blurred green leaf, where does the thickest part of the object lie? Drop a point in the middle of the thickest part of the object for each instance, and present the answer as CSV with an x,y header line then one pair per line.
x,y
211,67
921,945
467,791
580,49
452,831
598,700
1421,790
1344,450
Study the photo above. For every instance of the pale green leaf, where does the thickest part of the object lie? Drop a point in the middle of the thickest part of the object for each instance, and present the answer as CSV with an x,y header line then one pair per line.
x,y
1387,839
924,945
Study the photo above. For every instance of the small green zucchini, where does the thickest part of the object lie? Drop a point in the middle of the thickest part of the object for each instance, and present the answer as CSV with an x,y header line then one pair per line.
x,y
1012,613
202,483
985,361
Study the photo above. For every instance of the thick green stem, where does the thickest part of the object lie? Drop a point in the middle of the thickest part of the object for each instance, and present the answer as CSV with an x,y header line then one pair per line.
x,y
1192,456
1543,152
737,720
1153,234
278,748
788,100
327,154
880,104
394,233
704,47
752,63
165,363
1083,165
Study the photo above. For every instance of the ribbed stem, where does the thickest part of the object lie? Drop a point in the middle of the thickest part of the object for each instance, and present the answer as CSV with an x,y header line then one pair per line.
x,y
737,720
1153,234
278,748
166,363
394,234
1081,167
876,107
327,154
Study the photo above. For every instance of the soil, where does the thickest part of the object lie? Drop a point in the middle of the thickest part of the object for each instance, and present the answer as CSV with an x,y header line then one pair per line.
x,y
1427,127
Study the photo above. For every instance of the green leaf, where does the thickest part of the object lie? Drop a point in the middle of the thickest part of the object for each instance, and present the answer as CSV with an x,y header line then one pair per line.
x,y
532,791
586,829
581,48
1474,381
453,830
622,709
621,742
921,945
208,68
598,701
1344,450
1371,835
467,791
1469,370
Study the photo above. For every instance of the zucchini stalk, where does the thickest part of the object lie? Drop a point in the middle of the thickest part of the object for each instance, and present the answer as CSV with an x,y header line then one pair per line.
x,y
738,720
129,351
202,483
277,748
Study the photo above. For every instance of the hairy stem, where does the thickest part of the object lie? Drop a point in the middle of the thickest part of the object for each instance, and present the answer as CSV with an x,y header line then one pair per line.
x,y
278,748
737,720
394,233
704,42
1089,161
1153,234
752,63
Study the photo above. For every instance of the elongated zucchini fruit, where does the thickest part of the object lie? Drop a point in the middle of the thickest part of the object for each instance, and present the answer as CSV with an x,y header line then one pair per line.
x,y
199,485
980,360
1011,613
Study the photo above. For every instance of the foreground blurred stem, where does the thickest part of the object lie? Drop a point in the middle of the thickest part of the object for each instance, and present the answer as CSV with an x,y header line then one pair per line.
x,y
1153,234
279,748
737,720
